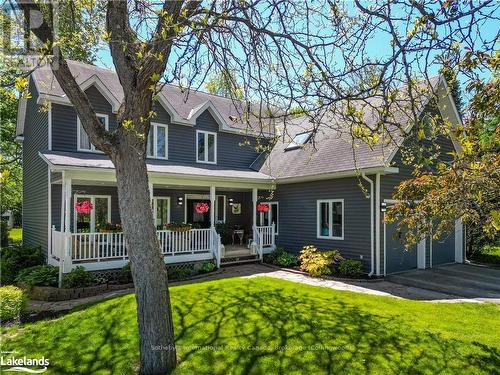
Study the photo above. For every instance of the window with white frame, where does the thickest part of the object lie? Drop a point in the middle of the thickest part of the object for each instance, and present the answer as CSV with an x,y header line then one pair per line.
x,y
83,141
206,147
270,217
161,209
98,216
158,141
330,214
220,209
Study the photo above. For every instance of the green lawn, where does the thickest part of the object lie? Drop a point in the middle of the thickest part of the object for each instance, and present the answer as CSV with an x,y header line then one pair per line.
x,y
291,329
16,234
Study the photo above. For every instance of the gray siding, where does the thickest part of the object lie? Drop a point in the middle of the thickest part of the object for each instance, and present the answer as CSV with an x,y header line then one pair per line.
x,y
233,150
388,184
298,217
35,174
64,123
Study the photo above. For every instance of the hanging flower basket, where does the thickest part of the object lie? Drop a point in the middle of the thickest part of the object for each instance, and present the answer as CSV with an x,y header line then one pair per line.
x,y
84,207
201,207
263,207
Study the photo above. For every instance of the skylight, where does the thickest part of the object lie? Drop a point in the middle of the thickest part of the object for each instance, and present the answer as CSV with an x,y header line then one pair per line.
x,y
299,140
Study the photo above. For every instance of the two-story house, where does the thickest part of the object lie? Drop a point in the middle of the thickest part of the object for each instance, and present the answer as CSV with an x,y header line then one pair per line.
x,y
199,153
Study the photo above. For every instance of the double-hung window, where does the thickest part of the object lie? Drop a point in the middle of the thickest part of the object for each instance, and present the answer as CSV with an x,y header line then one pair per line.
x,y
158,141
270,217
98,216
83,140
330,216
206,147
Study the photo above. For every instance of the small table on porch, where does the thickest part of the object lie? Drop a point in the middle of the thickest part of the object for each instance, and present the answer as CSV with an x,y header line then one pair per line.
x,y
240,233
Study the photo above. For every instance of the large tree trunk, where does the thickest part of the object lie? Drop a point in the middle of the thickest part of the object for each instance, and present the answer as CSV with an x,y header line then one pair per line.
x,y
156,334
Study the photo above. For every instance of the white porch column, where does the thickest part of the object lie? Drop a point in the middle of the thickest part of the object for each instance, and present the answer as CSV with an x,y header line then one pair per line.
x,y
67,225
212,207
254,208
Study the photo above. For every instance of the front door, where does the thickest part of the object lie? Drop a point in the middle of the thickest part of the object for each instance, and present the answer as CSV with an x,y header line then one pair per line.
x,y
195,218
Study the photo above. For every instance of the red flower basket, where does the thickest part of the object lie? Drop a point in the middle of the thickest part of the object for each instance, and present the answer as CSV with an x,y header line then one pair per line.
x,y
201,207
84,207
263,207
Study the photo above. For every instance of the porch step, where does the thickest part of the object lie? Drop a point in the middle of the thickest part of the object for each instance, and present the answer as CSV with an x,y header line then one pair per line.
x,y
239,259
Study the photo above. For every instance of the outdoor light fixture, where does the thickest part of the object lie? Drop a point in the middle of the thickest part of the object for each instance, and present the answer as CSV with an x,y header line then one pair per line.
x,y
383,206
179,201
231,201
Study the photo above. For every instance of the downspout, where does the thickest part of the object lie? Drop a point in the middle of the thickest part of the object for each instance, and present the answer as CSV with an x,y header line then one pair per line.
x,y
377,223
372,250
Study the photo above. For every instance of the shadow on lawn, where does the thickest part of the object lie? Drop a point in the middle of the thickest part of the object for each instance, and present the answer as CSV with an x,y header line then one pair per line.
x,y
251,326
268,331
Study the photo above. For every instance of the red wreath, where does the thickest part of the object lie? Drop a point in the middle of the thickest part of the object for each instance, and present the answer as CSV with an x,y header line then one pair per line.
x,y
263,207
201,207
83,207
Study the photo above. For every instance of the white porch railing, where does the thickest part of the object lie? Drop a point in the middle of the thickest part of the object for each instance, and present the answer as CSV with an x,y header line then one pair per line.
x,y
267,233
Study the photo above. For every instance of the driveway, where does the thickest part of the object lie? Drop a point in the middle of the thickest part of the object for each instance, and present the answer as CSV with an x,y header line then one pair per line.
x,y
462,280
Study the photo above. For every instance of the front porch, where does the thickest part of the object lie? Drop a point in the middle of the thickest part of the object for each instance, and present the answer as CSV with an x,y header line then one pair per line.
x,y
231,231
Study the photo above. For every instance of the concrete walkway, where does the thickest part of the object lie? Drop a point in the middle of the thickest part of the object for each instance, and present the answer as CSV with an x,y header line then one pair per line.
x,y
388,287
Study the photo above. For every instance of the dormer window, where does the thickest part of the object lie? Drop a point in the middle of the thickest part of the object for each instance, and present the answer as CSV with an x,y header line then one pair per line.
x,y
299,140
83,141
206,147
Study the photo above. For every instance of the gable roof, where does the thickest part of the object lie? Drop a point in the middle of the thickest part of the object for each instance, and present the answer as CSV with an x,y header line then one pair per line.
x,y
334,151
183,106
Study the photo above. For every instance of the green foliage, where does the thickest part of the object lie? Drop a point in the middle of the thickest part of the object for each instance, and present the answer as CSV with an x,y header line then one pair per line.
x,y
79,277
179,273
126,274
488,254
282,258
224,84
350,268
317,262
16,234
4,234
38,276
224,231
12,302
16,258
207,267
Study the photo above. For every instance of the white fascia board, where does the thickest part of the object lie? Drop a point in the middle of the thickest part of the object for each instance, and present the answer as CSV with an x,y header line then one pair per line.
x,y
95,81
334,175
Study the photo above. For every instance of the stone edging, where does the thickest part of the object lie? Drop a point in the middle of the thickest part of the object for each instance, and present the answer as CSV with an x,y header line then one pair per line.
x,y
334,278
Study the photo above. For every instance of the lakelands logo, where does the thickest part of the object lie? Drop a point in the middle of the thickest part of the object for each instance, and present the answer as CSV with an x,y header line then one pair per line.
x,y
25,364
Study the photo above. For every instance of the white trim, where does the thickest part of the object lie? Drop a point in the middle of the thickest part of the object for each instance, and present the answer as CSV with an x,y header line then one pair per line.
x,y
342,174
155,207
92,213
206,133
431,240
271,215
377,226
79,128
155,126
207,198
372,229
385,249
49,135
459,250
421,254
21,116
95,81
49,216
330,217
217,221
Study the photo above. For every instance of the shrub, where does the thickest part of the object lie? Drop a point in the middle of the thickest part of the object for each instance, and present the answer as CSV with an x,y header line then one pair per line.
x,y
273,256
16,258
287,260
4,234
317,262
12,302
223,230
125,275
39,276
350,268
179,273
207,267
79,277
